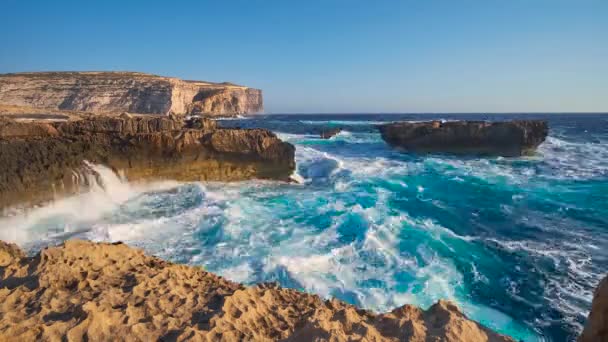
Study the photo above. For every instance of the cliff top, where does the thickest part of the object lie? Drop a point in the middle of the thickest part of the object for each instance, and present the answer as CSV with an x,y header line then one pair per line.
x,y
115,75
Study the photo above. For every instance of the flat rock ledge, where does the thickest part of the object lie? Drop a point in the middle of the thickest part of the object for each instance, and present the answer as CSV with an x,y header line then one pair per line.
x,y
42,160
507,138
85,291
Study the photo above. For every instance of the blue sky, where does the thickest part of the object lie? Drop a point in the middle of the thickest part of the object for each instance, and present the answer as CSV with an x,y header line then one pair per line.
x,y
335,55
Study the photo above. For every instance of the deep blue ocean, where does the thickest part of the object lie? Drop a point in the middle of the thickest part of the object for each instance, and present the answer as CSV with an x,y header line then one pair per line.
x,y
518,243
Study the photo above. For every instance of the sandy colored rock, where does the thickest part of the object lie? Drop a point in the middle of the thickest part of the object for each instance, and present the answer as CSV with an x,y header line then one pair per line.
x,y
596,328
15,129
85,291
133,92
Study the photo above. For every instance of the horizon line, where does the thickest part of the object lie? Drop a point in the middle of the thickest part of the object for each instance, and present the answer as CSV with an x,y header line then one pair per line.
x,y
423,113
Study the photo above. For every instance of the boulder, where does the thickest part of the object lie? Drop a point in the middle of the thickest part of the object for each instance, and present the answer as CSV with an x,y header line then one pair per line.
x,y
508,138
326,134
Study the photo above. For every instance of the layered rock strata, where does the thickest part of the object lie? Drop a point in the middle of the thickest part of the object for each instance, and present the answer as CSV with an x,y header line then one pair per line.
x,y
509,138
40,160
115,92
84,291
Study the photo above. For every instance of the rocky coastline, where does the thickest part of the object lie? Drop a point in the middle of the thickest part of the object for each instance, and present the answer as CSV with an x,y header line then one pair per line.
x,y
53,126
42,160
507,138
91,291
86,291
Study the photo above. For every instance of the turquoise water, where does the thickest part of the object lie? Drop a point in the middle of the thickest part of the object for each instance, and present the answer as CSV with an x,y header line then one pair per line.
x,y
518,243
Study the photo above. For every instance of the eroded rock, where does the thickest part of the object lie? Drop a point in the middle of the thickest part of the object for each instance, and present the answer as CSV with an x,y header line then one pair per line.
x,y
39,161
510,138
108,292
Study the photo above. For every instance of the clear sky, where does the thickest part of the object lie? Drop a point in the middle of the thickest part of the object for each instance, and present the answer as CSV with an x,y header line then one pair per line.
x,y
334,55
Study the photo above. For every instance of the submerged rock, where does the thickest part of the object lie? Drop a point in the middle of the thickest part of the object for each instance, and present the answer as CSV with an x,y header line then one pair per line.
x,y
107,292
39,161
134,92
509,138
596,328
330,133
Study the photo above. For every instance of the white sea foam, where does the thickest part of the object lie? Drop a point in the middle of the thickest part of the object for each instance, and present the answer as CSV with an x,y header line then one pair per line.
x,y
575,160
342,122
106,193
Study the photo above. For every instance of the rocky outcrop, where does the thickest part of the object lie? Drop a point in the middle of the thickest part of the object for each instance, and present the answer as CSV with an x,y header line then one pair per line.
x,y
596,328
40,160
326,134
510,138
84,291
114,92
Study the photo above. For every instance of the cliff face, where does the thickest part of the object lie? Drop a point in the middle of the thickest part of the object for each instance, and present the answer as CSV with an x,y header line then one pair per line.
x,y
109,92
40,160
84,291
509,138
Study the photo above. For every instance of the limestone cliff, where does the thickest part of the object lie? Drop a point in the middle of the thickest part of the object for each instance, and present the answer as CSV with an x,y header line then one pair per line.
x,y
84,291
111,92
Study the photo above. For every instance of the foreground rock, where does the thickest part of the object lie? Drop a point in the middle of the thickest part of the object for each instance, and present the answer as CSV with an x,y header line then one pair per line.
x,y
509,139
84,291
40,160
115,92
596,328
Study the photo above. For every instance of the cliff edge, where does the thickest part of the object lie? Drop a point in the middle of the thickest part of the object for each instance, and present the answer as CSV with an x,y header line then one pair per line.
x,y
115,92
85,291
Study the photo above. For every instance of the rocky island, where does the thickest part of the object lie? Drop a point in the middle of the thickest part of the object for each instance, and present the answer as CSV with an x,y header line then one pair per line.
x,y
134,92
509,139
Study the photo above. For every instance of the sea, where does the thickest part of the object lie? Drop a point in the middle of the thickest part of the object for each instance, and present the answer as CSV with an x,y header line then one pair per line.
x,y
518,243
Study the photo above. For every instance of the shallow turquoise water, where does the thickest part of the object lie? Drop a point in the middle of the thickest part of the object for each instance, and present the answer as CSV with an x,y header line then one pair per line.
x,y
518,243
